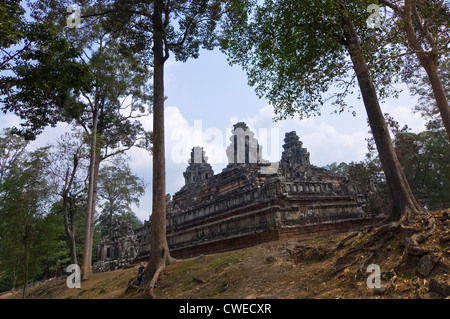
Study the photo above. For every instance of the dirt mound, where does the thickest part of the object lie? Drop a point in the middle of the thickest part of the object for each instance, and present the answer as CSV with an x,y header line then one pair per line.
x,y
413,257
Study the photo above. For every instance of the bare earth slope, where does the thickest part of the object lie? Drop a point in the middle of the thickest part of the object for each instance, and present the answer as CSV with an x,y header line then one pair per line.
x,y
332,266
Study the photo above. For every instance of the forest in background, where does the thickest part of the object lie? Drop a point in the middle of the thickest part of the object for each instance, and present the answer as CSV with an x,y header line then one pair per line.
x,y
33,218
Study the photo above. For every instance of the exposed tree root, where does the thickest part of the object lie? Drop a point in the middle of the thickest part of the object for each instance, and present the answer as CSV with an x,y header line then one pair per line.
x,y
155,280
412,244
363,246
343,241
166,261
133,282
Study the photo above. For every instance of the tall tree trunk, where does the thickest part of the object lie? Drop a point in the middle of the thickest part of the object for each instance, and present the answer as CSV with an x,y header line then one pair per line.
x,y
428,60
15,272
94,199
86,266
27,239
68,227
403,202
159,249
439,93
110,217
68,201
73,243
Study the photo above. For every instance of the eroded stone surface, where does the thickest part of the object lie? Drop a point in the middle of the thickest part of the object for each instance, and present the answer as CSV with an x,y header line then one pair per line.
x,y
118,249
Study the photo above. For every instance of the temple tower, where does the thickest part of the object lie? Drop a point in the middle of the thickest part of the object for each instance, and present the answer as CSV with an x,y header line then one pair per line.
x,y
293,152
198,169
244,147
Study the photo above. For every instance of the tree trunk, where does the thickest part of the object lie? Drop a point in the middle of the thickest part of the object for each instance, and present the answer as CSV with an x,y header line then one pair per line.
x,y
403,202
439,94
14,277
86,266
159,249
110,218
68,201
27,239
94,200
69,229
428,60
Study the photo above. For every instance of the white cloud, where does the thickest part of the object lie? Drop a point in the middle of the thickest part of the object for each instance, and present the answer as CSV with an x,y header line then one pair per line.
x,y
404,115
181,136
327,138
326,144
9,120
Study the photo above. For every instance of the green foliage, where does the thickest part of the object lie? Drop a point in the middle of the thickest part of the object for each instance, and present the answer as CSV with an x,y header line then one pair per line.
x,y
425,159
425,156
121,96
57,222
189,25
33,242
426,105
51,246
287,53
12,148
295,53
38,72
47,76
23,202
117,96
10,28
338,169
118,189
45,80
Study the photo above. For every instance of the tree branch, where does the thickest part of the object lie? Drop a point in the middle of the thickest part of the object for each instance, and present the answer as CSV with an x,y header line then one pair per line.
x,y
417,15
121,150
144,13
390,5
10,57
97,14
433,16
409,28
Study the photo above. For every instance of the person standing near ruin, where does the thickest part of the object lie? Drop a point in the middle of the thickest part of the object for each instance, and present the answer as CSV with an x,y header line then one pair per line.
x,y
141,275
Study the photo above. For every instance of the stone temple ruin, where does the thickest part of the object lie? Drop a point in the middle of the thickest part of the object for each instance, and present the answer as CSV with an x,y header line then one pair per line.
x,y
251,201
118,249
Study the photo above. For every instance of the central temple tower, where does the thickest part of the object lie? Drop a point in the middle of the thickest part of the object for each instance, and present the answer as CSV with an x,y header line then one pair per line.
x,y
244,147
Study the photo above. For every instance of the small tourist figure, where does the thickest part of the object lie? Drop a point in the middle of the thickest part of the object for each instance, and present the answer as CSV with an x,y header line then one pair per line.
x,y
141,275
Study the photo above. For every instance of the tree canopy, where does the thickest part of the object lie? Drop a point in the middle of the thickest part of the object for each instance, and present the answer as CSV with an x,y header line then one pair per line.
x,y
39,71
295,55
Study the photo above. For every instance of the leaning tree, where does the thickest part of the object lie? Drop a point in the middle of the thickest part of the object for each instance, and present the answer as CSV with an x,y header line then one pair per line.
x,y
425,34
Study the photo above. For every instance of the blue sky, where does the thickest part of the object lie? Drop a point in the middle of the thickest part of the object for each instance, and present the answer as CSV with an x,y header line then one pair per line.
x,y
206,96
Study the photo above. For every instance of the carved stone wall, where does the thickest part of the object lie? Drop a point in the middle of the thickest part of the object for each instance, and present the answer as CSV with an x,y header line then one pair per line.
x,y
118,249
